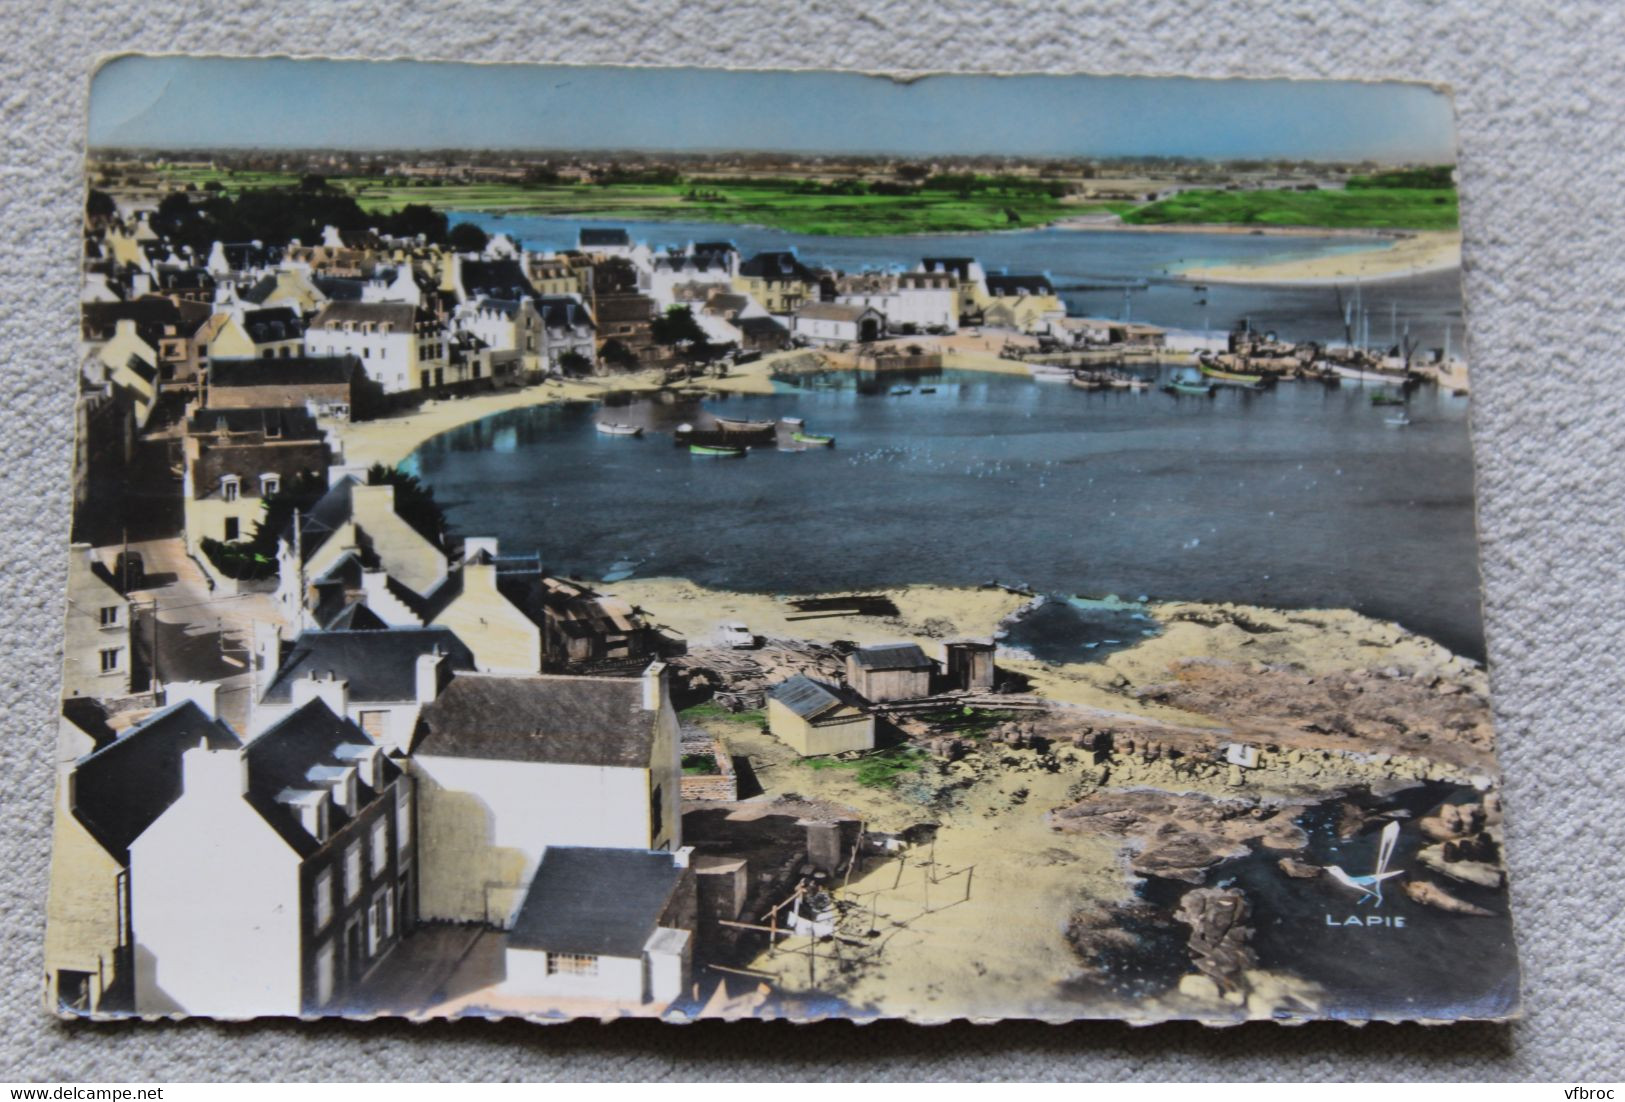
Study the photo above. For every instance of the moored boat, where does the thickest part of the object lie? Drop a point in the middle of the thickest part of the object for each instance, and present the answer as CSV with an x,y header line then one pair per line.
x,y
1213,372
1088,380
814,439
1383,398
618,428
793,422
740,424
1049,373
1187,386
900,390
718,451
1396,422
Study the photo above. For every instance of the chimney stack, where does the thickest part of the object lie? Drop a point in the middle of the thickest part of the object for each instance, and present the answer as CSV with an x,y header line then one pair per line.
x,y
428,677
201,693
654,686
215,772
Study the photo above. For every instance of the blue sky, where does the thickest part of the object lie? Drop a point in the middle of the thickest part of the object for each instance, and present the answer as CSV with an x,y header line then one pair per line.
x,y
271,103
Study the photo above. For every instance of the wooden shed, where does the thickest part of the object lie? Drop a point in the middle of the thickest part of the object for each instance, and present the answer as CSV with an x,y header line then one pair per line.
x,y
813,718
890,671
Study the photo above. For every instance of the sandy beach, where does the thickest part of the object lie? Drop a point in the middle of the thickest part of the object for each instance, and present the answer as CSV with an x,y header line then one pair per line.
x,y
1406,255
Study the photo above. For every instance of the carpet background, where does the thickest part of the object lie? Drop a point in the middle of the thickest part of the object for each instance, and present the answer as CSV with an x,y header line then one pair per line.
x,y
1541,99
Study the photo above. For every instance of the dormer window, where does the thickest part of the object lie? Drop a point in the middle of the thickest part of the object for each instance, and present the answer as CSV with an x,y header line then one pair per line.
x,y
230,488
270,484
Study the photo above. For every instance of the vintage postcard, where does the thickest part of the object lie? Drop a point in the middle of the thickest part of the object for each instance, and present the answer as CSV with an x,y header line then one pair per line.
x,y
593,542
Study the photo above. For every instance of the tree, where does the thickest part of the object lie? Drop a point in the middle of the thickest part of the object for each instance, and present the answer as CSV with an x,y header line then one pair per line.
x,y
312,181
414,502
466,237
572,362
616,354
677,329
99,206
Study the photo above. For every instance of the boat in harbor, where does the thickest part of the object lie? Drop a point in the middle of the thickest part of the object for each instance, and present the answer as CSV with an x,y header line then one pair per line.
x,y
928,390
1088,380
1396,422
814,439
617,428
1193,387
1049,373
899,390
717,451
1121,380
1383,398
1362,375
740,424
1213,371
793,422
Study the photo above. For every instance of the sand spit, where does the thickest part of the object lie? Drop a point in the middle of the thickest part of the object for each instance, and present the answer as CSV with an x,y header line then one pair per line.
x,y
1407,255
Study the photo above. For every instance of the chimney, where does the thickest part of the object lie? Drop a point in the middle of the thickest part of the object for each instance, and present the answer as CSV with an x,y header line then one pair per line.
x,y
654,686
140,284
215,772
429,676
682,857
201,693
332,691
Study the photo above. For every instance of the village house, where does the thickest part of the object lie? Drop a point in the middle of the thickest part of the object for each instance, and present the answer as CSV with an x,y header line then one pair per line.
x,y
890,671
292,286
508,767
778,281
814,718
604,924
96,655
967,275
379,679
710,264
502,325
235,460
129,364
275,332
327,386
106,796
627,319
169,328
838,323
551,275
399,348
305,838
502,279
1025,303
567,328
352,518
605,241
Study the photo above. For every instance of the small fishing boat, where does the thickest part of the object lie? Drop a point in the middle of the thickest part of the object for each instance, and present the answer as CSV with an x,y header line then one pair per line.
x,y
1049,373
928,390
1383,398
1361,375
1186,386
617,428
899,390
793,422
1117,380
1214,372
739,424
814,439
1396,422
718,451
1088,380
620,570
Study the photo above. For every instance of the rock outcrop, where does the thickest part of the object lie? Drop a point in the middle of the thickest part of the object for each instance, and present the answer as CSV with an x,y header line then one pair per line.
x,y
1219,935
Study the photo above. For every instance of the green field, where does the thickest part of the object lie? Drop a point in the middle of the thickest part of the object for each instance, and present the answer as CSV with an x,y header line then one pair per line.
x,y
854,208
1406,208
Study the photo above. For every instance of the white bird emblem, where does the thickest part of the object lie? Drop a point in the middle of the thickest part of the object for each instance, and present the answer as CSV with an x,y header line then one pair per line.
x,y
1370,887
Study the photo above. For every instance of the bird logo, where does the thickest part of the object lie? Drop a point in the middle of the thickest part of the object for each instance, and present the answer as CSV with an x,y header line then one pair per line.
x,y
1370,887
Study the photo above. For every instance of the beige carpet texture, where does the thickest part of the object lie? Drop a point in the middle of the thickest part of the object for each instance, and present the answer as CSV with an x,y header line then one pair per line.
x,y
1540,96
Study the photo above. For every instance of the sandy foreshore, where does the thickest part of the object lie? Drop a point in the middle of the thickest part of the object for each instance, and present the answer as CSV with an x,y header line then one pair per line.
x,y
389,440
1406,255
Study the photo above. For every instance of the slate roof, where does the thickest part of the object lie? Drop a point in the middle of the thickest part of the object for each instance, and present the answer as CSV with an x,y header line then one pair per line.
x,y
293,371
119,790
1003,286
563,313
400,316
603,237
276,323
500,279
606,902
379,665
776,265
321,520
958,265
759,328
284,757
832,311
356,616
807,698
554,720
892,656
339,288
275,423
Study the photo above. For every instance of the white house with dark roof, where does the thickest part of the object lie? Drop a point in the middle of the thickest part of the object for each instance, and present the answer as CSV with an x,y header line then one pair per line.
x,y
838,323
609,924
400,346
379,679
281,875
106,798
510,766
